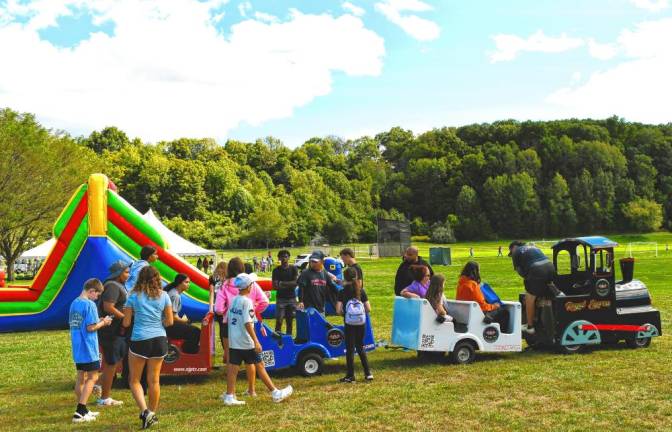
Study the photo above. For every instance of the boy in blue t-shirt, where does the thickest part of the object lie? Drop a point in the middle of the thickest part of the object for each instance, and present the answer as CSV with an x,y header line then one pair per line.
x,y
244,345
84,324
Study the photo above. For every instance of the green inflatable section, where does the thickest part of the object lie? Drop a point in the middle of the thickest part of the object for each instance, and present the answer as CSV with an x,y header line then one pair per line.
x,y
127,212
167,273
58,278
67,212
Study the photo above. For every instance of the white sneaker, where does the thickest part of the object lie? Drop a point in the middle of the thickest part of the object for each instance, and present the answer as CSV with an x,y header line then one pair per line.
x,y
79,418
109,402
280,395
528,330
93,413
230,400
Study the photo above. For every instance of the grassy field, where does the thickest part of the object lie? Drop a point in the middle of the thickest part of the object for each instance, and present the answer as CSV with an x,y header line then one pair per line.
x,y
610,388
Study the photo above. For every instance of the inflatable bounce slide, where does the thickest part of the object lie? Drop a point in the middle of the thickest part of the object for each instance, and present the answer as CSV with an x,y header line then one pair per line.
x,y
96,228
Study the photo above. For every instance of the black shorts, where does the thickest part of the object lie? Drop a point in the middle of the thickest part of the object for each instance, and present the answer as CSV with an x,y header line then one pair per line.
x,y
153,348
88,367
285,308
237,356
114,348
223,327
537,280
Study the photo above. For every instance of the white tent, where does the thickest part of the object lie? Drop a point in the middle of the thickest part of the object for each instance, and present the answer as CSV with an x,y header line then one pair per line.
x,y
40,251
176,244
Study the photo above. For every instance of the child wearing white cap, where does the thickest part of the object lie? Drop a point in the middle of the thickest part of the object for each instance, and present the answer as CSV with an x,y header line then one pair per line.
x,y
244,345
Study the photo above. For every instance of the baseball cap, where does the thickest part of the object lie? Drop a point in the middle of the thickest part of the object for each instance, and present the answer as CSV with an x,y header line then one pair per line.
x,y
117,268
515,243
316,256
244,280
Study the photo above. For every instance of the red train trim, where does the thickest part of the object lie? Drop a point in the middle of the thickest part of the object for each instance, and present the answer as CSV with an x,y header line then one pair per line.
x,y
614,327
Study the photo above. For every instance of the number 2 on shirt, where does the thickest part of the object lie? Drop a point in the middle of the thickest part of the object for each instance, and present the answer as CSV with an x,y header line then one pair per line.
x,y
233,321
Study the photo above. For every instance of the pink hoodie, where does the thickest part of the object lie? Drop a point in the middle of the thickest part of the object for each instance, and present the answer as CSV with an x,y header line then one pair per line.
x,y
229,291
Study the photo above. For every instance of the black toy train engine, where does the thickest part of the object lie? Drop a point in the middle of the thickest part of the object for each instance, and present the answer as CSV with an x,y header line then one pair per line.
x,y
593,307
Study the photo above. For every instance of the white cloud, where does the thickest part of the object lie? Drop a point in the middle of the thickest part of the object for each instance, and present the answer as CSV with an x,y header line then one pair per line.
x,y
651,5
168,72
244,8
601,51
419,28
261,16
509,46
353,9
637,88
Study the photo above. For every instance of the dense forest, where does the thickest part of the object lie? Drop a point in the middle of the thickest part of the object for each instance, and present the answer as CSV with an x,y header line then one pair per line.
x,y
505,179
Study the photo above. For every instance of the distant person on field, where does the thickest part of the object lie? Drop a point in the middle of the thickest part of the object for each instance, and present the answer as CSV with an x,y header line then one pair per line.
x,y
417,288
245,347
149,308
199,263
499,252
112,342
437,299
206,265
84,324
537,272
248,268
353,304
404,276
471,252
284,279
316,287
469,289
147,256
182,328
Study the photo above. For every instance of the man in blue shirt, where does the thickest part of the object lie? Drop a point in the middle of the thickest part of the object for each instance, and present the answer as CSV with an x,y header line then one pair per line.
x,y
537,272
84,324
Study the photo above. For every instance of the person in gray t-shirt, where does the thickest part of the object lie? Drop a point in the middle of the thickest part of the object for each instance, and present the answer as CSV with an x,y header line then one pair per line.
x,y
181,329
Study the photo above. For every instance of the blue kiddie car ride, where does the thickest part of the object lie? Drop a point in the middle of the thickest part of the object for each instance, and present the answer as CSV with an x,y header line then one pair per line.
x,y
316,340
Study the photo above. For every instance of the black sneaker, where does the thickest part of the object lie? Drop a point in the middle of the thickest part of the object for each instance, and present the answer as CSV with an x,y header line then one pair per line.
x,y
347,379
148,419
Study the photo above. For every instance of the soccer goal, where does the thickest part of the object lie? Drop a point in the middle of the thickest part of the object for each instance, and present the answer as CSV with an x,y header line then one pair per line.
x,y
642,248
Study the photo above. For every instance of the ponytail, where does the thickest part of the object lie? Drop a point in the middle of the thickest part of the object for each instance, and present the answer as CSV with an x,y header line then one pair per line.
x,y
350,275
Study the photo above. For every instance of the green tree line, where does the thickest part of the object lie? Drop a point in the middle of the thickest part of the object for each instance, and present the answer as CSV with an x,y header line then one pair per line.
x,y
502,179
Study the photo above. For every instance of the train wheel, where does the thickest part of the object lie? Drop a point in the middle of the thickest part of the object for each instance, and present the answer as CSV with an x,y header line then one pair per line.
x,y
569,349
463,353
578,334
642,338
638,342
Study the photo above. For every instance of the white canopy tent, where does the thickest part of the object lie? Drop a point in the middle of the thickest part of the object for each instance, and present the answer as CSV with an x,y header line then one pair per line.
x,y
176,244
40,251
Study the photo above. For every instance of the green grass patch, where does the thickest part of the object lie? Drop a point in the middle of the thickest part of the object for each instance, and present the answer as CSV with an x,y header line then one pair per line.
x,y
608,388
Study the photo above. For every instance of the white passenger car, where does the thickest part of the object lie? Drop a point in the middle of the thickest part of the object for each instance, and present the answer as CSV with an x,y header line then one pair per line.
x,y
415,327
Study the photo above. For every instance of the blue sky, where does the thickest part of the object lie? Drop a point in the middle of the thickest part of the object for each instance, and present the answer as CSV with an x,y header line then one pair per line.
x,y
297,69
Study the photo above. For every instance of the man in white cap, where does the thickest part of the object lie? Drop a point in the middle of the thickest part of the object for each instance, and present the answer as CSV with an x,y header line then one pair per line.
x,y
244,345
